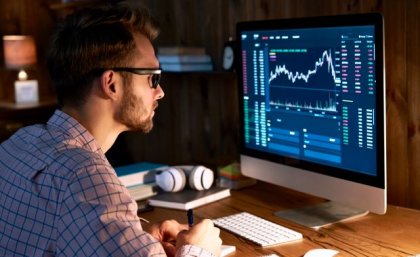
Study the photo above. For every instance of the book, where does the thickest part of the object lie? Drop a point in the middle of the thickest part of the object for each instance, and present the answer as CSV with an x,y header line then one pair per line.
x,y
138,173
231,171
142,191
178,67
189,198
236,183
181,50
184,58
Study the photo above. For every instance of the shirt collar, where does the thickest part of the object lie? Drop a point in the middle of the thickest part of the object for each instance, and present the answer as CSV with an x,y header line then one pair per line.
x,y
73,129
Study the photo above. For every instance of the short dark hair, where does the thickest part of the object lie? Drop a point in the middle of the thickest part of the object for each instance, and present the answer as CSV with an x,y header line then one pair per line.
x,y
94,38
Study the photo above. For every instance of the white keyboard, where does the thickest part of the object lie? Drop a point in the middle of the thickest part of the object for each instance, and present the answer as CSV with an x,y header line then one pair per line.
x,y
256,229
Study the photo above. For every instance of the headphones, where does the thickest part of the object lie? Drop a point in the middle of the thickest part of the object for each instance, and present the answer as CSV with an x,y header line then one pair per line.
x,y
174,179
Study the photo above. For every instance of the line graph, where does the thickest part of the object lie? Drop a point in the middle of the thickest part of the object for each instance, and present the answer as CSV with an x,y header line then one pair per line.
x,y
293,76
303,79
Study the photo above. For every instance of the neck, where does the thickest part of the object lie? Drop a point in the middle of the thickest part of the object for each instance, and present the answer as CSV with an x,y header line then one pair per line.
x,y
98,122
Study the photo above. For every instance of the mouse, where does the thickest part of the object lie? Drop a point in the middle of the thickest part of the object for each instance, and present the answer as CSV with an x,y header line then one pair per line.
x,y
320,253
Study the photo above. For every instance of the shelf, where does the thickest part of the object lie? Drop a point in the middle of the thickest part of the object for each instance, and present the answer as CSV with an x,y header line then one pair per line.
x,y
25,106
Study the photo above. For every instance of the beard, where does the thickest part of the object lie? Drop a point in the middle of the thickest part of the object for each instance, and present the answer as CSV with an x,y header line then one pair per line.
x,y
134,114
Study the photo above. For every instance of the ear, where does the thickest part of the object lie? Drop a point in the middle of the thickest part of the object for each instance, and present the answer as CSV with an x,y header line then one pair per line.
x,y
109,84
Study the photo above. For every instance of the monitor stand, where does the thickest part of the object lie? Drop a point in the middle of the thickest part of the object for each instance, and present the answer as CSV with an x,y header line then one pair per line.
x,y
320,215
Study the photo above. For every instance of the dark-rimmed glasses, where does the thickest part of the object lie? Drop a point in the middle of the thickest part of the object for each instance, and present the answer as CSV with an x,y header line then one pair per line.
x,y
155,72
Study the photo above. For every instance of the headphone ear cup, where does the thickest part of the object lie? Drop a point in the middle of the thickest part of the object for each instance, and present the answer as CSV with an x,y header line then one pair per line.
x,y
171,179
201,178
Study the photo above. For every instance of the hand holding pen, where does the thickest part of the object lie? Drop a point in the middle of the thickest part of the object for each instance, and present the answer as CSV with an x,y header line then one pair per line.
x,y
174,235
202,234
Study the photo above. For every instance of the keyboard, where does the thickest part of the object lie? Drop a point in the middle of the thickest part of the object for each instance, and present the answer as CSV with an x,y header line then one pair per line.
x,y
257,230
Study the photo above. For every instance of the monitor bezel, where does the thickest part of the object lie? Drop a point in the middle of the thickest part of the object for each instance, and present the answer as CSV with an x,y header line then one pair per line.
x,y
375,19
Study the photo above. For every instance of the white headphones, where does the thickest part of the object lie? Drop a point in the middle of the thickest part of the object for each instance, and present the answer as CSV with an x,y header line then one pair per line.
x,y
173,179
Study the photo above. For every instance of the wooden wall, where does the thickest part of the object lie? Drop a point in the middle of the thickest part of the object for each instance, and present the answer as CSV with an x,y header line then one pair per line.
x,y
197,120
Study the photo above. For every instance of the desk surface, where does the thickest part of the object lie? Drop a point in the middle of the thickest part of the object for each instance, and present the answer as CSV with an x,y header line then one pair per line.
x,y
397,233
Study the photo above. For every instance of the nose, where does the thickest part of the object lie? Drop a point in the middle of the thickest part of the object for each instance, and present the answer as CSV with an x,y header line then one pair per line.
x,y
159,92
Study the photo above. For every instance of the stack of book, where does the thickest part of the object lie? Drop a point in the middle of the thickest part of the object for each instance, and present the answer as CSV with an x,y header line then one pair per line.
x,y
231,177
184,59
139,178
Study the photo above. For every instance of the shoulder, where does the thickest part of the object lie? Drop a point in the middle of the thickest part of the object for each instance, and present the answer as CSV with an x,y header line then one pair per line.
x,y
91,178
79,162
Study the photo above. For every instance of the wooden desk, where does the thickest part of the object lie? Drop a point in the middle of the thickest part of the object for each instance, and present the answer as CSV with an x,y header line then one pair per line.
x,y
397,233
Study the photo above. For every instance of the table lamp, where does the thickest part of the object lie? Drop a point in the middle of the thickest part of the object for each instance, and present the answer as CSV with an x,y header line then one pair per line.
x,y
20,54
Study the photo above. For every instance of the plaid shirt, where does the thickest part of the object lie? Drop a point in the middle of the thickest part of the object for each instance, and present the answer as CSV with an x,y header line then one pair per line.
x,y
59,196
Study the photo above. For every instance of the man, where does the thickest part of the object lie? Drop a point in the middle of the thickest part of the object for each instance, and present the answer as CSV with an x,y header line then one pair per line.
x,y
59,195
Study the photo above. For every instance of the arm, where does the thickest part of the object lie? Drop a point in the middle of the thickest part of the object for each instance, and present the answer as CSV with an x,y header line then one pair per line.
x,y
99,218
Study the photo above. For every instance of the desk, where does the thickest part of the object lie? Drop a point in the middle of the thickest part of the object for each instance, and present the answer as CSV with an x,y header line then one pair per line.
x,y
397,233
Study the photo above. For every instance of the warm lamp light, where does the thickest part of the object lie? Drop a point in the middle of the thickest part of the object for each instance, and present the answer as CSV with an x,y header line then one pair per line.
x,y
19,51
19,54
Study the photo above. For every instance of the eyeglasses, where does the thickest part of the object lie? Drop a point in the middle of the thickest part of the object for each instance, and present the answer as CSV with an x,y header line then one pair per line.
x,y
156,73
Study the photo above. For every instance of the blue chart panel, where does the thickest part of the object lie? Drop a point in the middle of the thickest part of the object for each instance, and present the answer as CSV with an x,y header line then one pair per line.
x,y
303,78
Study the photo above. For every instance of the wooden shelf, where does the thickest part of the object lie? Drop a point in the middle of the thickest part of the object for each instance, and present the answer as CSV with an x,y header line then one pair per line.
x,y
25,106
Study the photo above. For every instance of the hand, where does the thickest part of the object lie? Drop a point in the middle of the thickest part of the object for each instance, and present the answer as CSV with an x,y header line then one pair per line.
x,y
166,232
202,234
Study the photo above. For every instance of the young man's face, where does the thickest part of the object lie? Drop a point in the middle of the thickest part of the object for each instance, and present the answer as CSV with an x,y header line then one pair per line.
x,y
140,99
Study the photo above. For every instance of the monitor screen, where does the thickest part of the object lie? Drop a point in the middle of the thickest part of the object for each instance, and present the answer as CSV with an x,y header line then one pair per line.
x,y
312,106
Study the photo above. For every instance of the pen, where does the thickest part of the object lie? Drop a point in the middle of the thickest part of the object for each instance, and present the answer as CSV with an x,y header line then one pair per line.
x,y
144,220
190,216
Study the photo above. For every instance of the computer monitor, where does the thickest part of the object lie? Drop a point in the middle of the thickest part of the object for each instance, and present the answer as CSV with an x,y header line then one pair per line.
x,y
312,111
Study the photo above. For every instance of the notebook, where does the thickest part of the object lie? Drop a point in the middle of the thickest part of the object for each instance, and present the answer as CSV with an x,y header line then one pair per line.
x,y
227,249
189,198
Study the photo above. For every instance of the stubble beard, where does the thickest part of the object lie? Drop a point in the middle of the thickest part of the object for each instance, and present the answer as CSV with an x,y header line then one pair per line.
x,y
133,114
